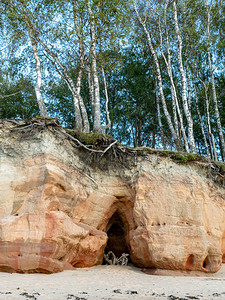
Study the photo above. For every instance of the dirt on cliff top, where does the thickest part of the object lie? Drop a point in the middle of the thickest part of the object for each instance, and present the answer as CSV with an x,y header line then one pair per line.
x,y
102,150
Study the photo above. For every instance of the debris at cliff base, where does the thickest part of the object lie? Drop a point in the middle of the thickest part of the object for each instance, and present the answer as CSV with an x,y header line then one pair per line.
x,y
111,259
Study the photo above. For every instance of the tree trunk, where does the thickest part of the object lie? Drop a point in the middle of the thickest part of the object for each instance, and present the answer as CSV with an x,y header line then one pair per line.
x,y
168,65
159,116
41,104
97,109
139,141
78,28
69,81
216,108
211,136
201,123
184,84
106,102
86,125
188,85
159,77
39,97
175,102
213,83
91,89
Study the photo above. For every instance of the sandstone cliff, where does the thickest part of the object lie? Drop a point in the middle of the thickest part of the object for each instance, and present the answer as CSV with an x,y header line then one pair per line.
x,y
60,209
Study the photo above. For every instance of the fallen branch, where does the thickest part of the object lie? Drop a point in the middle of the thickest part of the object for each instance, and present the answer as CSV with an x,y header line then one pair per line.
x,y
111,259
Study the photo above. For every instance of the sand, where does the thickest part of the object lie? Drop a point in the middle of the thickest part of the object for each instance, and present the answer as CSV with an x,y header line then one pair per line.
x,y
111,282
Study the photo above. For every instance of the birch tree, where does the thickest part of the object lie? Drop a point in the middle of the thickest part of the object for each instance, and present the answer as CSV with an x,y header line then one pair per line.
x,y
209,8
81,117
201,122
156,75
159,115
96,108
159,77
176,107
20,13
209,129
184,83
106,102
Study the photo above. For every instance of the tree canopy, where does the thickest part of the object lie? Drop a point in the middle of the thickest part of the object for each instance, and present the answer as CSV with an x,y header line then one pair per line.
x,y
149,73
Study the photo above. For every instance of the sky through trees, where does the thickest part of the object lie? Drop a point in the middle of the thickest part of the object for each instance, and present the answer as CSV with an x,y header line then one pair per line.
x,y
149,73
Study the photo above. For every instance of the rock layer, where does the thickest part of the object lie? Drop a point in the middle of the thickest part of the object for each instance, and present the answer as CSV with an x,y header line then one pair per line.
x,y
56,210
49,242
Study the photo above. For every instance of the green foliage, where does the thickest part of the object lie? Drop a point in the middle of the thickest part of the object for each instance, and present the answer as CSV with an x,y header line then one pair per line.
x,y
177,156
60,103
17,99
221,166
133,101
122,50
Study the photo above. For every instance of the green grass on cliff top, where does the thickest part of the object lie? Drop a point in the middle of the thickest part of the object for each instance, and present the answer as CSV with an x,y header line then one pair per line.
x,y
98,140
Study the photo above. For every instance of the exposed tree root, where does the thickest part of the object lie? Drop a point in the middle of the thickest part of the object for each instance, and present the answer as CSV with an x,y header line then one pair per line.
x,y
104,152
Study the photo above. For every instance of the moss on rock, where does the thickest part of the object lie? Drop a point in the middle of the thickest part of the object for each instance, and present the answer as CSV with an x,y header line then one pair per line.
x,y
93,138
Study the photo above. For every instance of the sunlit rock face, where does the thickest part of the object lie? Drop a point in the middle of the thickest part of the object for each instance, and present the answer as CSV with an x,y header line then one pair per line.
x,y
180,219
48,242
58,212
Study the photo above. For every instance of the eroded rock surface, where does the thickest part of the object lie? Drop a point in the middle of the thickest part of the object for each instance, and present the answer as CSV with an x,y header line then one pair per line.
x,y
56,210
49,242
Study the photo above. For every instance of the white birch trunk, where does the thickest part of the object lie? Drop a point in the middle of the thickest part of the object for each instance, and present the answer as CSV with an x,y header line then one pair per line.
x,y
97,108
70,83
159,77
74,88
173,88
41,104
86,125
176,125
218,121
91,89
211,136
217,114
189,86
78,28
106,102
201,124
184,85
159,115
39,97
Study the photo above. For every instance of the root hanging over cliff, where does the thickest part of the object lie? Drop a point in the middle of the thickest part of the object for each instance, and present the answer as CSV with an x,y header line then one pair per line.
x,y
95,149
103,151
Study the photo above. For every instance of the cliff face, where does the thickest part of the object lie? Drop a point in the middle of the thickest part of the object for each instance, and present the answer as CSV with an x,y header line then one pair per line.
x,y
58,212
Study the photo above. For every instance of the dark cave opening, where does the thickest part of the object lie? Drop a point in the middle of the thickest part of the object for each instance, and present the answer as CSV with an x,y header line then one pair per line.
x,y
116,231
206,264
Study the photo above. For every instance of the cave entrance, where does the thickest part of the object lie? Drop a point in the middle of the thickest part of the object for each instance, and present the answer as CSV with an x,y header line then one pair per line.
x,y
116,231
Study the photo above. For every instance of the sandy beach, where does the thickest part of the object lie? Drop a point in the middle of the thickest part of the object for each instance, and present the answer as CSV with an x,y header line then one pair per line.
x,y
111,282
